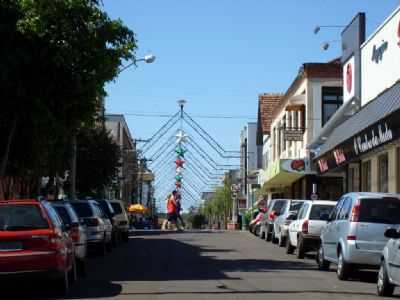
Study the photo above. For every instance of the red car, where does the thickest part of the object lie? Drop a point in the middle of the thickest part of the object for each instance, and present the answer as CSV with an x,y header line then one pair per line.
x,y
34,242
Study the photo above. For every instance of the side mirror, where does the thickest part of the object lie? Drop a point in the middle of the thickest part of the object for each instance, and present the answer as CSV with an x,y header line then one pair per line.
x,y
392,233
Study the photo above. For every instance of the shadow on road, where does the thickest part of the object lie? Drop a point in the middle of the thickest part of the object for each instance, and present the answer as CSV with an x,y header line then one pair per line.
x,y
168,259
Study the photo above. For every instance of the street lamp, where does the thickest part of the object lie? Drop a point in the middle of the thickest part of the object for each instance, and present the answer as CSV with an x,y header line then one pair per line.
x,y
148,59
318,28
325,45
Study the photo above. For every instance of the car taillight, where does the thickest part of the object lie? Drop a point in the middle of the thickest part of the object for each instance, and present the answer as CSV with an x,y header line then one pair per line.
x,y
75,234
355,213
351,237
272,215
92,222
304,227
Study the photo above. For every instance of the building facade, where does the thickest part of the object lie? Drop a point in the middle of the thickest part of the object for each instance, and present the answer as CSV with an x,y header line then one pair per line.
x,y
125,187
310,101
366,145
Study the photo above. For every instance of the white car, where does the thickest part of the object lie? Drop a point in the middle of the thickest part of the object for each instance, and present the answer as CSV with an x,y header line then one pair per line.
x,y
304,232
389,272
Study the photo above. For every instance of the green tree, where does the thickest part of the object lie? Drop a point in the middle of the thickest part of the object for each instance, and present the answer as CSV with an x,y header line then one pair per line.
x,y
97,160
55,59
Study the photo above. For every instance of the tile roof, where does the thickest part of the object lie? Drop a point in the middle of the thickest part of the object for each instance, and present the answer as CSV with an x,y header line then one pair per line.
x,y
331,69
377,109
266,104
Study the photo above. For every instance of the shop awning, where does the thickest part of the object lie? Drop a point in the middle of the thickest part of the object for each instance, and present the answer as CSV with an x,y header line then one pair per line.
x,y
285,171
384,105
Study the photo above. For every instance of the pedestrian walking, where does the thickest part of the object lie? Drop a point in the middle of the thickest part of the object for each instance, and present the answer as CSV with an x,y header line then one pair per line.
x,y
178,210
171,211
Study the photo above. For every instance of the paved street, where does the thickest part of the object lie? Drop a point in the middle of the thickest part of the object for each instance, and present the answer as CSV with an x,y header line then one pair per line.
x,y
210,265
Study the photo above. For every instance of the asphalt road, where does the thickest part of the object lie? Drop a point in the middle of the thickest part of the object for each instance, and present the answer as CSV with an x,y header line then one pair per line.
x,y
207,265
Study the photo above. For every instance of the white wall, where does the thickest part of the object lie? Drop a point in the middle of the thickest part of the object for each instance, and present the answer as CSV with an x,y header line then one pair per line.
x,y
376,76
251,146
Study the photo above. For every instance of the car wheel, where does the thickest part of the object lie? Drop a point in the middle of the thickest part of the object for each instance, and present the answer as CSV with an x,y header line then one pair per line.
x,y
62,284
268,235
282,241
384,287
262,235
126,236
73,274
343,268
274,238
300,248
323,264
289,247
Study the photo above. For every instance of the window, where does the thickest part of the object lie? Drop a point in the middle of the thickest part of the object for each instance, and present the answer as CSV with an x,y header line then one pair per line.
x,y
383,173
383,210
317,211
21,217
336,210
332,99
366,176
284,127
345,210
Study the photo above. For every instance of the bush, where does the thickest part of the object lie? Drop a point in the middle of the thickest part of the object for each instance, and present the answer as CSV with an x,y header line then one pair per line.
x,y
197,221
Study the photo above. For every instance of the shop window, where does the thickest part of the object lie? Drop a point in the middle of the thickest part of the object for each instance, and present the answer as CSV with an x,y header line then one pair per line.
x,y
366,176
383,173
284,127
350,180
332,99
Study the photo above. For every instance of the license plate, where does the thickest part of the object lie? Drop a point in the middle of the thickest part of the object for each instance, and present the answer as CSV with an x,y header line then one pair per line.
x,y
10,246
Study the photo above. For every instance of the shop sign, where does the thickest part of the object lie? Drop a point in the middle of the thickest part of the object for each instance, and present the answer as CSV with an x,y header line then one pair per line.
x,y
377,52
293,135
380,63
349,77
367,140
242,203
377,137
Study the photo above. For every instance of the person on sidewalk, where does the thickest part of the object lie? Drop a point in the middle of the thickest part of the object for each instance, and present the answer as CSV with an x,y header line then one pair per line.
x,y
171,211
178,211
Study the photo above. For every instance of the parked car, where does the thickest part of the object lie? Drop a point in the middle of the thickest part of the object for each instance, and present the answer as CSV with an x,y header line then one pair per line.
x,y
109,212
77,231
305,231
98,226
274,210
354,234
255,224
121,218
281,224
389,274
34,242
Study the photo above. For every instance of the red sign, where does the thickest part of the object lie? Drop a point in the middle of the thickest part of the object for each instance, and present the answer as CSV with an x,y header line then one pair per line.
x,y
398,34
349,78
323,165
339,156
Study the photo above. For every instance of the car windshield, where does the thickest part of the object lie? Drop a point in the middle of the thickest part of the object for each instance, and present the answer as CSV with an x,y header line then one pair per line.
x,y
278,206
21,217
104,206
63,213
384,211
117,208
83,209
318,210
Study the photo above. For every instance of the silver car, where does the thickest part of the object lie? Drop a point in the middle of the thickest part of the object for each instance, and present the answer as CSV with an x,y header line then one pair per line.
x,y
98,226
274,209
281,224
354,234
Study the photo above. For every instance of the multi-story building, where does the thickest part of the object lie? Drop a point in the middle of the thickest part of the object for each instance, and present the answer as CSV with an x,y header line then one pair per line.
x,y
125,186
249,162
310,101
364,141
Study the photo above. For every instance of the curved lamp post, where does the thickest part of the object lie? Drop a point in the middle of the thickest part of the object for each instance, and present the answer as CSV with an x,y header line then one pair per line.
x,y
148,59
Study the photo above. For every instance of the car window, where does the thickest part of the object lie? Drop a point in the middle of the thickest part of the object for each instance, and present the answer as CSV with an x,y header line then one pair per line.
x,y
100,211
305,210
117,207
319,210
63,213
278,207
21,217
73,215
295,205
83,209
336,210
57,222
345,210
384,211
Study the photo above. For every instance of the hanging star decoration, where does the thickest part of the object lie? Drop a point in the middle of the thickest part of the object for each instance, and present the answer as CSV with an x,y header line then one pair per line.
x,y
179,163
179,170
178,184
181,137
178,178
180,151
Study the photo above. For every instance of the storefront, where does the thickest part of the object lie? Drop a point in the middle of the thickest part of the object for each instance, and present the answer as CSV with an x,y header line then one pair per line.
x,y
366,146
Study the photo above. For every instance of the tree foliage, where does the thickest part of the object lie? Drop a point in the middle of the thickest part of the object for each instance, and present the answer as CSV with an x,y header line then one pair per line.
x,y
55,59
219,208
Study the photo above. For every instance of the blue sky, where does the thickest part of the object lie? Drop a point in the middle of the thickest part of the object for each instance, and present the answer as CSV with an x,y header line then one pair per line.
x,y
220,54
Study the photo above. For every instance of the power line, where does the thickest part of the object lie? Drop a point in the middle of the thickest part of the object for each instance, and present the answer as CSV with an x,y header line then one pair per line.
x,y
166,115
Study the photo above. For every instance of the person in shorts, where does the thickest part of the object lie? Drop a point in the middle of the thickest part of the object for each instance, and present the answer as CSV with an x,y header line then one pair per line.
x,y
171,211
